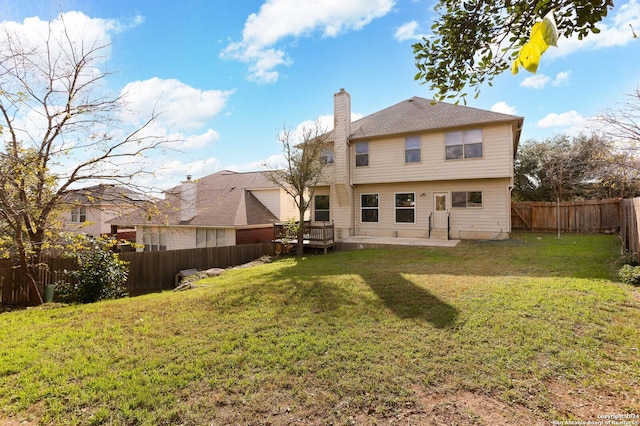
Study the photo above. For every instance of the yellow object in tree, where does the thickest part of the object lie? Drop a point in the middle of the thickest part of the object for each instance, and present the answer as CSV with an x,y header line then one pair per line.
x,y
543,34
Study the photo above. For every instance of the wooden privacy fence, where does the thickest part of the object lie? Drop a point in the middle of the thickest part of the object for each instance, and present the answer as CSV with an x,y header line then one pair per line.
x,y
156,270
572,216
148,271
630,227
13,289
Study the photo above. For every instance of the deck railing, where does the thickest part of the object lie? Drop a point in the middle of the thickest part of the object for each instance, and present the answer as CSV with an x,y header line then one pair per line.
x,y
313,234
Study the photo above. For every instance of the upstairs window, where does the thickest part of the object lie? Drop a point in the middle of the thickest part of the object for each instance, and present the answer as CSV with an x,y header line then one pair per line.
x,y
466,199
327,157
362,154
321,207
412,149
463,144
79,214
369,207
406,207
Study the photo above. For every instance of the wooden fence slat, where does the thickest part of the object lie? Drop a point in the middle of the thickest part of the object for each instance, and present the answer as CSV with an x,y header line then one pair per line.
x,y
571,216
148,271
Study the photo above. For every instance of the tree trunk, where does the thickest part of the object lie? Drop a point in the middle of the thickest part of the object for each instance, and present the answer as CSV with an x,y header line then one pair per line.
x,y
35,297
300,246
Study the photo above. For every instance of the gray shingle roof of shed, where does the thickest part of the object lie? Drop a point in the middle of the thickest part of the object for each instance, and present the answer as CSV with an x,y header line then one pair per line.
x,y
420,114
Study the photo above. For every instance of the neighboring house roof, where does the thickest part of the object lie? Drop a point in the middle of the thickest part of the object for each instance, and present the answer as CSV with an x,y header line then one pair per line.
x,y
102,195
223,199
419,114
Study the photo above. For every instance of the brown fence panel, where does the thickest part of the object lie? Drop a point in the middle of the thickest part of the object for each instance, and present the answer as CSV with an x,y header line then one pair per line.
x,y
156,270
630,227
574,216
11,289
148,271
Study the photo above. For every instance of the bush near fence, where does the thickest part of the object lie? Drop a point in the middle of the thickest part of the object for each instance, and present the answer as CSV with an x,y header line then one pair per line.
x,y
148,271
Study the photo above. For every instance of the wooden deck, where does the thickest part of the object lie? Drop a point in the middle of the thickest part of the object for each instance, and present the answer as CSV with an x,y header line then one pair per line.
x,y
315,236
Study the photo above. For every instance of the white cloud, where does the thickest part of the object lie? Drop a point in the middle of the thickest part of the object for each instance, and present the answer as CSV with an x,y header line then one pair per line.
x,y
504,108
408,31
565,119
175,171
184,117
561,78
180,106
202,140
50,43
535,81
281,19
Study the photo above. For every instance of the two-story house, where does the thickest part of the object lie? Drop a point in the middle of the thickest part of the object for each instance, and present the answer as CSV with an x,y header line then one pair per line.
x,y
419,169
222,209
90,209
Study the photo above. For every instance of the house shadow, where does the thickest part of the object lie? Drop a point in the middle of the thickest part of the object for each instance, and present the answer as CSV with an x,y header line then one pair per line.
x,y
409,301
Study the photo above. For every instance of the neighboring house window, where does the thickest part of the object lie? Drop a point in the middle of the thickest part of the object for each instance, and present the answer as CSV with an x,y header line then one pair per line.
x,y
154,239
210,237
79,215
406,207
321,204
369,207
464,144
466,199
412,149
327,157
362,154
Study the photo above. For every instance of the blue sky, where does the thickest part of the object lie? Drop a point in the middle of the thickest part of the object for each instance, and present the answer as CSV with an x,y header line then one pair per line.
x,y
231,74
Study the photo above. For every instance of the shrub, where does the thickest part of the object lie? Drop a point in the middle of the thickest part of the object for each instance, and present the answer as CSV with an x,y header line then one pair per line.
x,y
629,259
630,274
102,275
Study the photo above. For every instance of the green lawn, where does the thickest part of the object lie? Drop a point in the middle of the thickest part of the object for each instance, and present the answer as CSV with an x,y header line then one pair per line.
x,y
531,329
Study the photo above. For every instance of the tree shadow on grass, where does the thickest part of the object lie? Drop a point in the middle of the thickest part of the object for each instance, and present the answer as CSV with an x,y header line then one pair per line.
x,y
410,301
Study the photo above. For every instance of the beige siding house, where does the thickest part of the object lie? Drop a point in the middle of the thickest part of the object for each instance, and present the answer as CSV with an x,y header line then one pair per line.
x,y
222,209
419,169
90,209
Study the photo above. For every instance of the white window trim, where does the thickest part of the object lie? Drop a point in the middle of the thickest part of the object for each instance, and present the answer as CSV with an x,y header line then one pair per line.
x,y
395,208
463,145
220,234
356,154
370,208
77,214
467,200
315,208
419,149
153,237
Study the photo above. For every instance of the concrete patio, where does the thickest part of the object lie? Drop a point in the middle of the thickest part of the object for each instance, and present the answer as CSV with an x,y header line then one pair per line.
x,y
362,242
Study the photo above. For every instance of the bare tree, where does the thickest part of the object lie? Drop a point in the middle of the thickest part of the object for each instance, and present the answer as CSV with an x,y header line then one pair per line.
x,y
302,169
623,123
58,128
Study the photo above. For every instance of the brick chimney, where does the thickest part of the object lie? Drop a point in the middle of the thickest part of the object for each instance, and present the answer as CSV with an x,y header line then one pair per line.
x,y
187,199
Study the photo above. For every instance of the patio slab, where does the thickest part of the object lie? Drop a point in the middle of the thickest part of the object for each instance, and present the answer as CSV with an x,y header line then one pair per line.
x,y
358,242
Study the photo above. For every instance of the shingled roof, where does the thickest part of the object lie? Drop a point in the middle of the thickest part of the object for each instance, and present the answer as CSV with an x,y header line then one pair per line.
x,y
103,194
419,114
223,199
